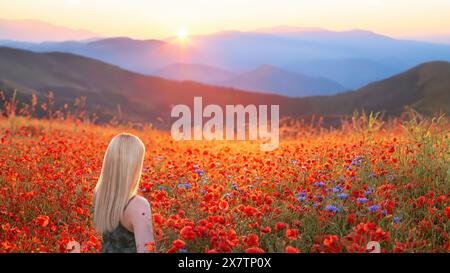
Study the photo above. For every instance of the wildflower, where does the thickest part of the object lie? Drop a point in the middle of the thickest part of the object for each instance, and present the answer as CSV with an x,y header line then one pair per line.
x,y
292,233
291,249
254,250
187,233
342,196
397,219
280,225
319,184
318,196
357,161
362,200
447,211
373,208
185,185
369,191
223,205
301,196
179,244
265,229
331,208
200,172
251,240
337,189
42,220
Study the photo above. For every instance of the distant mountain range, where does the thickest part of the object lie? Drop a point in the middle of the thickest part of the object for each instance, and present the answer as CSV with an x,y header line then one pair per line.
x,y
350,58
39,31
270,79
265,78
194,72
147,98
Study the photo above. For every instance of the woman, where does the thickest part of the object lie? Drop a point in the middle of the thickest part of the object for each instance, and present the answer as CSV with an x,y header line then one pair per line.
x,y
121,216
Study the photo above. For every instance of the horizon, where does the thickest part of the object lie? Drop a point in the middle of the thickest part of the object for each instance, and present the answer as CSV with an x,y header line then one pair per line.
x,y
403,19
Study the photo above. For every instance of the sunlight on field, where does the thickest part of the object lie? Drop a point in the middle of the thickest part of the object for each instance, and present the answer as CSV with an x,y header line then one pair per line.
x,y
321,191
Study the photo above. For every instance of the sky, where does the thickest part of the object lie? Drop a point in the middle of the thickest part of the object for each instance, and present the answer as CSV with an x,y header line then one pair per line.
x,y
143,19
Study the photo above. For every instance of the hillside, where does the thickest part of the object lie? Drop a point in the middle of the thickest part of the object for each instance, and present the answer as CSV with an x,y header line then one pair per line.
x,y
149,99
270,79
426,88
194,72
351,58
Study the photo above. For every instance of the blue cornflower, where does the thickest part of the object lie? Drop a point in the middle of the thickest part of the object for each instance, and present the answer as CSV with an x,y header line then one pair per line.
x,y
200,172
384,212
301,196
369,191
338,188
234,187
204,191
319,184
374,208
318,196
185,185
357,161
331,208
342,196
162,187
316,205
371,175
397,219
183,250
362,200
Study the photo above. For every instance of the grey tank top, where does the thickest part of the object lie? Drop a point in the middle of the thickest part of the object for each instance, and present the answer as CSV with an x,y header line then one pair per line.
x,y
120,240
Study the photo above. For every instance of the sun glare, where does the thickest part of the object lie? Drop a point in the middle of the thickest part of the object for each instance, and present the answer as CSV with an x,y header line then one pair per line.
x,y
182,34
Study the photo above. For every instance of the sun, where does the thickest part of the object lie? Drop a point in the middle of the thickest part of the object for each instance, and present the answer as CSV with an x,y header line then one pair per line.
x,y
182,34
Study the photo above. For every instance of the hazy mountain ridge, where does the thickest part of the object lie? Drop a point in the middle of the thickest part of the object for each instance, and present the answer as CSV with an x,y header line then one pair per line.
x,y
149,99
351,58
270,79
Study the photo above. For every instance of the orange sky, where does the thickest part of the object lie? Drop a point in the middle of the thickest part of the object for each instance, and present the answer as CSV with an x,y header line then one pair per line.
x,y
160,19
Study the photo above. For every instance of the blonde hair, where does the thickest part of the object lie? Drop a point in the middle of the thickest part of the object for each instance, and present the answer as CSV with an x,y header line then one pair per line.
x,y
118,181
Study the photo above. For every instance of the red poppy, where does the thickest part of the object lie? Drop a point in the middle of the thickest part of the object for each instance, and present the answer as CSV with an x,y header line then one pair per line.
x,y
292,233
187,233
291,249
254,250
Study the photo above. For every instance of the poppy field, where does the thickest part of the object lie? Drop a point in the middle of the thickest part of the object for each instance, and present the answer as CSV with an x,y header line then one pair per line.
x,y
322,190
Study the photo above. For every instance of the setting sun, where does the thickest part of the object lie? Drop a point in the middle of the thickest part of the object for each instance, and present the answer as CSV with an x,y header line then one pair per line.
x,y
182,33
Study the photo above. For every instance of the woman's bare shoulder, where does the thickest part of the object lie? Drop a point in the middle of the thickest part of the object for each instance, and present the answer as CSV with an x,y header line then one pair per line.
x,y
139,203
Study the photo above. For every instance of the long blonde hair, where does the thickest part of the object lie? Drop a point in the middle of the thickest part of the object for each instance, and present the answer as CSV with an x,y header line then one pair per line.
x,y
118,181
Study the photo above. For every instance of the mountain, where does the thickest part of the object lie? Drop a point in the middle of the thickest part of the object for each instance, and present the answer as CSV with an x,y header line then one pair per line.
x,y
431,38
426,88
287,29
270,79
149,99
194,72
39,31
142,56
351,58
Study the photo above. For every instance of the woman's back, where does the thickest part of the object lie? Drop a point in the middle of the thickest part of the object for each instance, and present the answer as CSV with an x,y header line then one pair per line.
x,y
120,240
